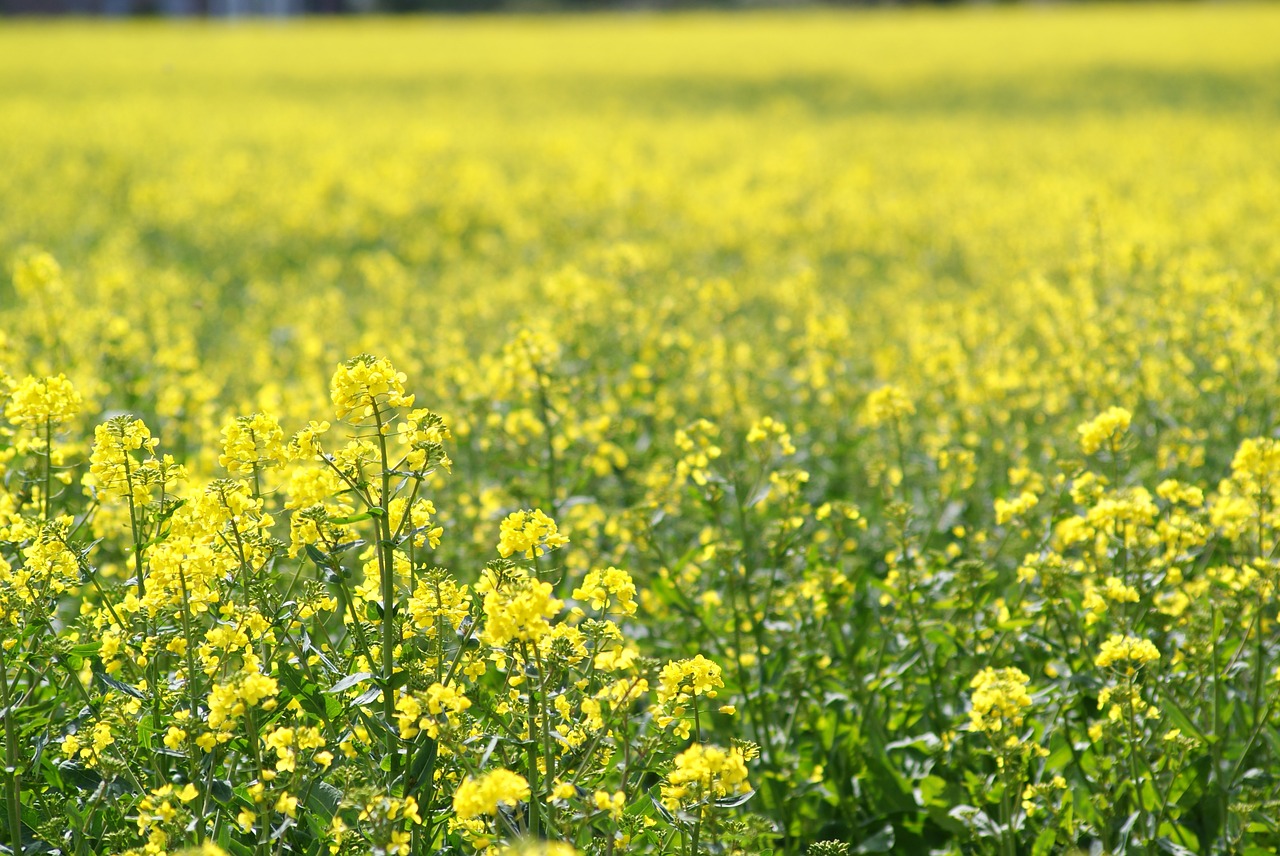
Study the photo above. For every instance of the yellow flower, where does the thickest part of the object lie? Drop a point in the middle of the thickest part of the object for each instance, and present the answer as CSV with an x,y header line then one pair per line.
x,y
703,774
607,586
887,404
250,444
481,796
1107,428
999,701
613,803
365,383
40,401
517,608
1127,650
529,533
111,464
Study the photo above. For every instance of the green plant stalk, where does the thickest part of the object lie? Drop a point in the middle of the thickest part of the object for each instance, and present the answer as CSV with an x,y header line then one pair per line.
x,y
532,756
48,466
544,415
153,679
12,780
386,567
1133,761
194,771
263,823
1007,844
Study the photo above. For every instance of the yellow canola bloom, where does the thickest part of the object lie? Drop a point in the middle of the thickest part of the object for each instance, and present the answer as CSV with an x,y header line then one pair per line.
x,y
1105,429
1126,650
37,401
482,796
529,533
1000,700
365,383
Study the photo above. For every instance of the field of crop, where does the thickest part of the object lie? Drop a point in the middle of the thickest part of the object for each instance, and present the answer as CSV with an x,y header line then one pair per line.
x,y
780,433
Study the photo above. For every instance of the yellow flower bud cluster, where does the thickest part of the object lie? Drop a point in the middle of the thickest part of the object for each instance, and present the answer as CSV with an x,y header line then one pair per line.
x,y
1105,429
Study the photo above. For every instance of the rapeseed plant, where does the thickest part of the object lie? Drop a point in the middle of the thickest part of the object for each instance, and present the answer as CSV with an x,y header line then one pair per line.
x,y
868,447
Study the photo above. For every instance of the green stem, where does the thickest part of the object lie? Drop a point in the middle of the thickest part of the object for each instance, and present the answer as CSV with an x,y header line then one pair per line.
x,y
48,466
12,779
387,567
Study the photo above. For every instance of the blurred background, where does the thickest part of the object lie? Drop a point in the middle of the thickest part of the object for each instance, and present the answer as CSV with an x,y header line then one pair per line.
x,y
280,8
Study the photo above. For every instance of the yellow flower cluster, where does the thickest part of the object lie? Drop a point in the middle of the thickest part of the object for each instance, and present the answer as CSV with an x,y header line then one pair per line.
x,y
608,589
529,533
40,401
1106,429
834,394
1128,651
484,795
232,699
251,443
517,608
887,404
1000,700
365,383
439,700
111,464
702,774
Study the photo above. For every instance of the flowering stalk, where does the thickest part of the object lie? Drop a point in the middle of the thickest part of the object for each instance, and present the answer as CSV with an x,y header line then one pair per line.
x,y
12,780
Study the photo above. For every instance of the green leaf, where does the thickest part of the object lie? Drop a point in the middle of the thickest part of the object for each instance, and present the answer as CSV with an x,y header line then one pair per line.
x,y
881,842
120,686
350,681
347,521
734,802
366,697
324,800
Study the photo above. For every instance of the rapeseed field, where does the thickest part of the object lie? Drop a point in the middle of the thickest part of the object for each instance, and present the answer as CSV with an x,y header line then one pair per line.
x,y
811,432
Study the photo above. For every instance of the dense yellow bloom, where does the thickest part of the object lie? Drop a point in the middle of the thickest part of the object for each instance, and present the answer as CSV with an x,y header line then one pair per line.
x,y
999,701
518,608
687,678
439,700
887,404
111,463
437,601
482,796
37,401
702,774
1105,429
364,383
251,443
229,700
608,588
1126,650
305,445
49,567
679,350
529,533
